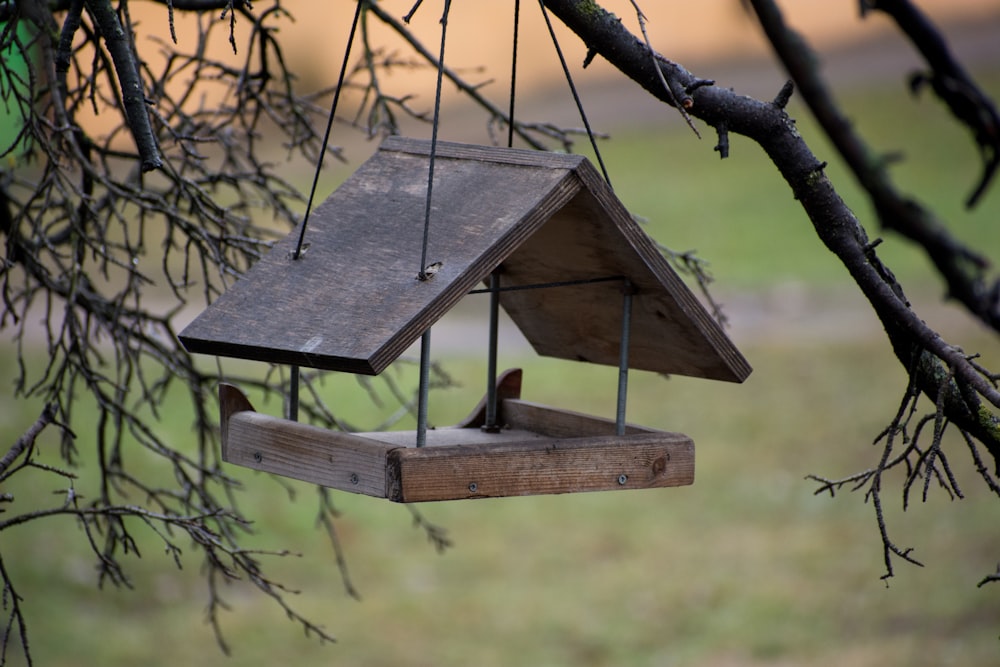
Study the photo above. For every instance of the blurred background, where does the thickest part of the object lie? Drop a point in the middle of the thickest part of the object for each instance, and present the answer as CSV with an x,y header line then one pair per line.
x,y
745,567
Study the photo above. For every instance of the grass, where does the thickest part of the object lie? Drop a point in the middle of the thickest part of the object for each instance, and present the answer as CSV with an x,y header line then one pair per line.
x,y
740,216
745,567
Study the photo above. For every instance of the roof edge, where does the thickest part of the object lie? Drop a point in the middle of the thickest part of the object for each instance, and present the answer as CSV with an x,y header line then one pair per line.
x,y
449,149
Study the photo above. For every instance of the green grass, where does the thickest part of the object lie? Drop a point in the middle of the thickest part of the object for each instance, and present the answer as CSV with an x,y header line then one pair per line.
x,y
745,567
739,214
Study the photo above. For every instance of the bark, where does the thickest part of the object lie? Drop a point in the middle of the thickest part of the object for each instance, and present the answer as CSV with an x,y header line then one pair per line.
x,y
964,270
969,396
133,97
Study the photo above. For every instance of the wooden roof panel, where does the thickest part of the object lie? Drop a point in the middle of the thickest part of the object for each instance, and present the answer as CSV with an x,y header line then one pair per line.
x,y
353,301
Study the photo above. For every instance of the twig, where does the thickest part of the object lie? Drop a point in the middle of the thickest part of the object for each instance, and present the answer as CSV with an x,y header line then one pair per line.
x,y
681,102
964,269
451,75
16,621
437,535
952,84
327,513
27,439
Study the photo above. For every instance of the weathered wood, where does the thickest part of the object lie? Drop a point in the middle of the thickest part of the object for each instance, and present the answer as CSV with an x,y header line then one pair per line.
x,y
541,451
453,435
330,458
588,240
333,459
231,401
508,386
560,423
546,466
353,301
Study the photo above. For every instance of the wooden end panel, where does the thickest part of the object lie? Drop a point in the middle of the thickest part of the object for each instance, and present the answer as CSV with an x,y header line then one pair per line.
x,y
540,467
560,423
329,458
231,401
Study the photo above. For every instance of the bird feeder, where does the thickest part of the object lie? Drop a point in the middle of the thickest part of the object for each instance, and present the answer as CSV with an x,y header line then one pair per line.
x,y
557,251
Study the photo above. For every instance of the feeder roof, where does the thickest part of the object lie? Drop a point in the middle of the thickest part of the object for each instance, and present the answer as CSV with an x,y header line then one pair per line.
x,y
353,302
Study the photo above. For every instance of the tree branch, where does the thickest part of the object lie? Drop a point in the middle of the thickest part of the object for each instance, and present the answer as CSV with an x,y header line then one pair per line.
x,y
27,439
951,83
495,112
16,623
133,97
835,224
964,270
912,340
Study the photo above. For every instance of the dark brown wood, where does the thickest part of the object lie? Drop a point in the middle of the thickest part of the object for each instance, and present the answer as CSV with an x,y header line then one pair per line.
x,y
508,386
353,301
231,401
545,466
589,239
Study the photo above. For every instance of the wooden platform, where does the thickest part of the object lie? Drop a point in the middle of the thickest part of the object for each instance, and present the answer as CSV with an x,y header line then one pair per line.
x,y
541,450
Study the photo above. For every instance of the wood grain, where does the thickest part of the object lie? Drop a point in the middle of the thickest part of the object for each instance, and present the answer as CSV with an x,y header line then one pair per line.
x,y
353,302
333,459
546,466
541,450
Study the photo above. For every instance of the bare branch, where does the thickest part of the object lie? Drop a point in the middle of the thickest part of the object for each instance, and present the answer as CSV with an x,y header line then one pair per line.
x,y
16,624
951,83
133,97
27,439
964,269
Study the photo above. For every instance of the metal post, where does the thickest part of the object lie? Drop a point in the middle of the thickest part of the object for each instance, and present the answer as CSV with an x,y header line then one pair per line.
x,y
293,395
491,425
425,372
627,291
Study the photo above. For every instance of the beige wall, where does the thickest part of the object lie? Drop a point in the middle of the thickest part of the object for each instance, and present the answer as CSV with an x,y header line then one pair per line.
x,y
480,34
480,30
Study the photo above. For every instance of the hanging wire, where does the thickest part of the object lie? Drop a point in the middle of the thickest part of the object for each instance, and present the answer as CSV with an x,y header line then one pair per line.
x,y
293,391
576,96
491,425
329,128
423,273
513,74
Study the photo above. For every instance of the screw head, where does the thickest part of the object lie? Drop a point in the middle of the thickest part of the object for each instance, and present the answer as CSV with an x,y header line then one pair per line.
x,y
622,478
473,487
354,478
257,457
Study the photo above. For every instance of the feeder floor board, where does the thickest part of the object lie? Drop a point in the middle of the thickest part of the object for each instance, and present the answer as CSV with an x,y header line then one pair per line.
x,y
543,450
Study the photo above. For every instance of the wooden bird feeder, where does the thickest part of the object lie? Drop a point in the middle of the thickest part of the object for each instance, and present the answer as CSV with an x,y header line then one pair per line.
x,y
561,255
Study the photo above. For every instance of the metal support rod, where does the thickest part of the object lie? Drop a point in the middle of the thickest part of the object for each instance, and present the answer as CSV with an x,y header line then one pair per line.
x,y
491,425
293,395
623,358
556,283
425,372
